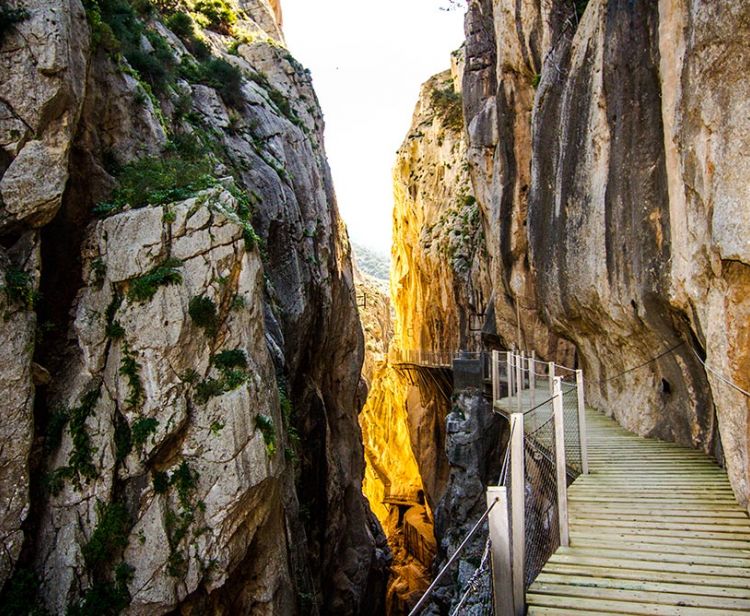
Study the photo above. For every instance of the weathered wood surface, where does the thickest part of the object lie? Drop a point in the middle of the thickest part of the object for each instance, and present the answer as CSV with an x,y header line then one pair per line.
x,y
654,529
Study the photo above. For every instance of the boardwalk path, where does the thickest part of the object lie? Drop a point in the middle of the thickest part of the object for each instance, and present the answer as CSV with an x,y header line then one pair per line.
x,y
654,529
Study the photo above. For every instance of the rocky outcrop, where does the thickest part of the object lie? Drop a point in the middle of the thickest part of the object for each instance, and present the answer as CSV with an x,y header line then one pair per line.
x,y
194,424
20,273
605,142
439,281
419,434
506,44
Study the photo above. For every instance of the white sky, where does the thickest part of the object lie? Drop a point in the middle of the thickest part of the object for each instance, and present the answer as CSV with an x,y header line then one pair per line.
x,y
368,60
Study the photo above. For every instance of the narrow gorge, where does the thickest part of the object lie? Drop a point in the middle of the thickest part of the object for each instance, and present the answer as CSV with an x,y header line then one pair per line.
x,y
209,403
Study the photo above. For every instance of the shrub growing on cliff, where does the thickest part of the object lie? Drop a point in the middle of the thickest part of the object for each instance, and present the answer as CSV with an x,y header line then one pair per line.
x,y
447,104
143,288
203,311
105,598
159,180
80,460
110,535
216,73
232,366
21,595
219,14
129,368
265,424
142,428
9,17
181,24
230,359
19,288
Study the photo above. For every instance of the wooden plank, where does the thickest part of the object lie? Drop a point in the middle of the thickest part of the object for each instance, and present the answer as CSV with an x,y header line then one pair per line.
x,y
673,553
664,598
667,541
674,515
537,610
620,607
665,523
647,585
659,509
733,534
613,561
645,498
648,575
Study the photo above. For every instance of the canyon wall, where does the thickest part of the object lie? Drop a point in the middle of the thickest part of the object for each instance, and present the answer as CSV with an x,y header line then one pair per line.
x,y
440,290
181,346
606,142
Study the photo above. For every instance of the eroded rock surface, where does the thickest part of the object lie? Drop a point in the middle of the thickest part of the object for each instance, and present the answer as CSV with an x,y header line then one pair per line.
x,y
605,144
194,425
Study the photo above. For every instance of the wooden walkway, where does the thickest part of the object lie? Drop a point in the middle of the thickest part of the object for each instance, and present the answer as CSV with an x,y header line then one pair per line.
x,y
654,529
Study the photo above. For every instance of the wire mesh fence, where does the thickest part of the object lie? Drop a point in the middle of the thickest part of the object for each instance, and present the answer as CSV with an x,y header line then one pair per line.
x,y
573,459
534,389
542,535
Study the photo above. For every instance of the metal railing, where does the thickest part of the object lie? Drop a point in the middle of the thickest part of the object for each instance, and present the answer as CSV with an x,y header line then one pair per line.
x,y
544,405
419,357
526,513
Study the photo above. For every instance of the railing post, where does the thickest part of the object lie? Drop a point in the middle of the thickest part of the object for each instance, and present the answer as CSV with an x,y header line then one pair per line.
x,y
562,485
495,377
517,503
519,380
551,377
582,424
502,580
532,377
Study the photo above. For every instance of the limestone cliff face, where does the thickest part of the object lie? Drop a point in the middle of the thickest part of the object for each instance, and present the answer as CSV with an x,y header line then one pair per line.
x,y
439,280
181,346
606,156
440,287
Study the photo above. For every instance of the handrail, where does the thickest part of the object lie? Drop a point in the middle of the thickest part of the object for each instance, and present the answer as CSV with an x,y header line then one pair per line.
x,y
518,381
428,593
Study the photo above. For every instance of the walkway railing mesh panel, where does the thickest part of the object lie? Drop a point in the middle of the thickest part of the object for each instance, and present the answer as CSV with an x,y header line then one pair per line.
x,y
573,459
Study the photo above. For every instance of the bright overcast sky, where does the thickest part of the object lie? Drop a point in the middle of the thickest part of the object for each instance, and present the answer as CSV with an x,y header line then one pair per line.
x,y
368,60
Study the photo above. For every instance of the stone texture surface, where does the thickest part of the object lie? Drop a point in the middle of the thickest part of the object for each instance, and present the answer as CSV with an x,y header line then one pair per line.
x,y
17,332
42,74
272,531
439,281
237,480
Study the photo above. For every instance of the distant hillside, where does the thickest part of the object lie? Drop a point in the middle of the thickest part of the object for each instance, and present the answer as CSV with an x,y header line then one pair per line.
x,y
372,262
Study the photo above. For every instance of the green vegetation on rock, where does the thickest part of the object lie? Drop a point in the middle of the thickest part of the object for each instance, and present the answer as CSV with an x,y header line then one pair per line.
x,y
129,368
232,367
110,535
203,312
80,460
19,288
9,17
142,428
143,288
264,423
219,14
182,170
447,104
184,480
105,598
